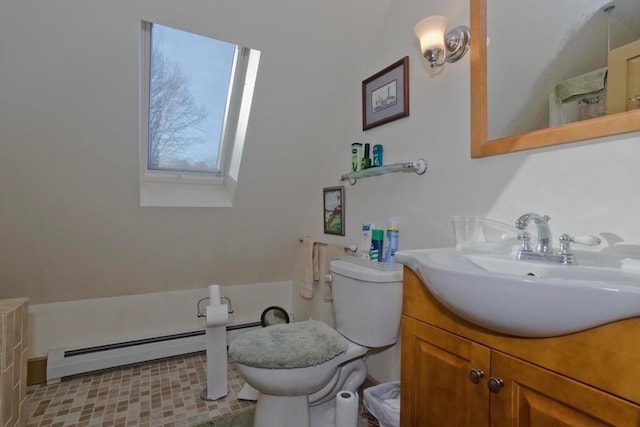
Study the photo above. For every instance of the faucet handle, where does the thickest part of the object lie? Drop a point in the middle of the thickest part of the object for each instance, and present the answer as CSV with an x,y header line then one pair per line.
x,y
587,240
509,238
526,242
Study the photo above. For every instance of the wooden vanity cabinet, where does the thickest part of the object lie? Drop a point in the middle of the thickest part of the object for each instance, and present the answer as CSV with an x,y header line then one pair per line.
x,y
435,385
579,380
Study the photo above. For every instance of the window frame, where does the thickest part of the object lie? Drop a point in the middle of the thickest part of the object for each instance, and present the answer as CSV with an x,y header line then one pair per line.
x,y
187,188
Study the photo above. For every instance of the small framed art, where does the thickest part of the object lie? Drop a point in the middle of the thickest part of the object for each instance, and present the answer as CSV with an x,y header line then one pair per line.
x,y
333,210
385,95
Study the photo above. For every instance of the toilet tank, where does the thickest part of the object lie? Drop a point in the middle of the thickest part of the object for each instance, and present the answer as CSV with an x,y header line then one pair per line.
x,y
367,302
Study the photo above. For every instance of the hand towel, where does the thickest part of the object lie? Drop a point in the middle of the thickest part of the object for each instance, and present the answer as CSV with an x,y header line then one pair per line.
x,y
392,404
583,84
561,113
316,262
333,252
306,285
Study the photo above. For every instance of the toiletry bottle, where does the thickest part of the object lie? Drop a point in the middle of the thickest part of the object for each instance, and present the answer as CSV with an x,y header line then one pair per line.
x,y
356,156
377,155
393,229
366,160
365,242
377,239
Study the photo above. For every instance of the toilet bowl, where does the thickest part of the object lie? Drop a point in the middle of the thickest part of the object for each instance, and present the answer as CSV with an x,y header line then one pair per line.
x,y
288,395
298,381
298,368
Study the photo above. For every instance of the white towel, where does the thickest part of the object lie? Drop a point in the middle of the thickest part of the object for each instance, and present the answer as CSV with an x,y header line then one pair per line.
x,y
316,262
306,285
393,404
561,113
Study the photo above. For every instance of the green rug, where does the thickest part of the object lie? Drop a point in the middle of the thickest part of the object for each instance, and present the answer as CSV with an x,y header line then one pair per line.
x,y
241,419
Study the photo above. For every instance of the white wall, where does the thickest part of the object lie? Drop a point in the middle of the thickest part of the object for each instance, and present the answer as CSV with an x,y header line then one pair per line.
x,y
70,220
98,321
587,188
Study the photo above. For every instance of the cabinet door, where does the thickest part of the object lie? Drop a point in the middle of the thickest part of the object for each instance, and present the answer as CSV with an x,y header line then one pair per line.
x,y
435,384
535,397
623,81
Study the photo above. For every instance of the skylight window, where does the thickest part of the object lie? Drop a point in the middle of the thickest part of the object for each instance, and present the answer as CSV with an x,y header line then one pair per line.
x,y
196,94
190,76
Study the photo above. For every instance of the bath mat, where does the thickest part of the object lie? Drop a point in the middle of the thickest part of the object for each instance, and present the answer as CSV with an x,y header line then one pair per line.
x,y
241,419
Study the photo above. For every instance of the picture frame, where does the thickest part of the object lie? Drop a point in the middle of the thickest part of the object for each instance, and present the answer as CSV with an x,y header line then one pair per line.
x,y
385,95
333,210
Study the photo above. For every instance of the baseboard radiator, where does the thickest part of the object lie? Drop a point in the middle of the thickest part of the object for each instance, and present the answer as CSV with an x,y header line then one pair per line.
x,y
67,362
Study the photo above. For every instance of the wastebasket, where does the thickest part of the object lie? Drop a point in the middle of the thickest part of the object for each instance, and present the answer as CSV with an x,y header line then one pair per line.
x,y
383,404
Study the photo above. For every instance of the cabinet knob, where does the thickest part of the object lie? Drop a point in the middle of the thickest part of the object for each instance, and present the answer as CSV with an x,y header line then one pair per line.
x,y
495,384
475,375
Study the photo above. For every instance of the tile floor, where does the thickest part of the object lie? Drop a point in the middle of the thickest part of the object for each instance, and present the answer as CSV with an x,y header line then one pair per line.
x,y
161,393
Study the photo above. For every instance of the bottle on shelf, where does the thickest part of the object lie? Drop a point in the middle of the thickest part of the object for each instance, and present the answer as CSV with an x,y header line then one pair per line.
x,y
365,242
377,155
366,159
356,156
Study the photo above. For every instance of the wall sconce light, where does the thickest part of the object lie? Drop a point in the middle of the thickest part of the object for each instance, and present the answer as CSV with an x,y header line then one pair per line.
x,y
438,47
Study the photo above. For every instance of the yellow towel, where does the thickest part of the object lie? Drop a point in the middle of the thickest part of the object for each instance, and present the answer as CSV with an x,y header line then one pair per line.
x,y
333,252
306,285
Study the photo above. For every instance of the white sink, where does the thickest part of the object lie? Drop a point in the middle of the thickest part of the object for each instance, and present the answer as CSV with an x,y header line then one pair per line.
x,y
529,299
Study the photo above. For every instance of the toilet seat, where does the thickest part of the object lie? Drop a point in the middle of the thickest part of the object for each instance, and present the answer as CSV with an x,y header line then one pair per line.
x,y
309,375
288,346
301,381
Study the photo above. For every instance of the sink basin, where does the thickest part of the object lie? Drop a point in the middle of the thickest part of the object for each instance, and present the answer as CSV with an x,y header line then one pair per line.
x,y
526,298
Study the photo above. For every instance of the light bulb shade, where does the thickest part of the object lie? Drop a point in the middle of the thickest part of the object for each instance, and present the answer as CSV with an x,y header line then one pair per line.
x,y
431,32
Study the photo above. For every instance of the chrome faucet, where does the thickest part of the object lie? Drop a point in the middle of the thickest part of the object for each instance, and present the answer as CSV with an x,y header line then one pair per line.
x,y
544,245
544,248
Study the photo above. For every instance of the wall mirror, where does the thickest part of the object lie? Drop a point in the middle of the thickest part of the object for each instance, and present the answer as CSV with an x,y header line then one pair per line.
x,y
518,78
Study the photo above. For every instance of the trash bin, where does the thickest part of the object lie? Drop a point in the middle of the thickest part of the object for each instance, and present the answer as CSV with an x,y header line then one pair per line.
x,y
383,403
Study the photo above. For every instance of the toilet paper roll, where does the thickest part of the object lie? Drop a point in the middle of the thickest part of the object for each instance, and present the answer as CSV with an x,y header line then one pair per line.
x,y
216,339
346,409
217,315
214,294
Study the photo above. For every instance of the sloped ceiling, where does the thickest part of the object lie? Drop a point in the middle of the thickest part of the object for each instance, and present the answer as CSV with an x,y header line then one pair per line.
x,y
70,220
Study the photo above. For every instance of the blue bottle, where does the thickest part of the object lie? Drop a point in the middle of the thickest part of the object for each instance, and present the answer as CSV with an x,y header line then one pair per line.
x,y
377,239
377,155
393,230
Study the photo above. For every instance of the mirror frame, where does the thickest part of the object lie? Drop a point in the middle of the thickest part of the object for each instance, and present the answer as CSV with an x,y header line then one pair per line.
x,y
614,124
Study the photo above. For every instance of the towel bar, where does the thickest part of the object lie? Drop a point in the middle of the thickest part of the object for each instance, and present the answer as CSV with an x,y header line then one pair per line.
x,y
351,248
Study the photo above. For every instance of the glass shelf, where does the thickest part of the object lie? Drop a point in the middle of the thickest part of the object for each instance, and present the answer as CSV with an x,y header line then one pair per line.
x,y
419,167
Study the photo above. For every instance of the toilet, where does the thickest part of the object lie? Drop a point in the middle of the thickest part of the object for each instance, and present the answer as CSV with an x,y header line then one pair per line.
x,y
298,368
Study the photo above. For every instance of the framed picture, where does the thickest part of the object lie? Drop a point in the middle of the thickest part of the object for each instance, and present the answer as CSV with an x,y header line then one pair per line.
x,y
333,210
385,95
